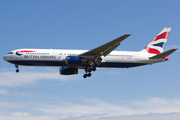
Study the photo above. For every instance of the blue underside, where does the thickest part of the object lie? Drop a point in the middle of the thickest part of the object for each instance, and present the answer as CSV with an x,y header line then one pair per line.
x,y
61,63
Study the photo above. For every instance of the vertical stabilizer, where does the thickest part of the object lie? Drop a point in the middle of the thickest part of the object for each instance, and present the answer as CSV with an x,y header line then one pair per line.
x,y
156,46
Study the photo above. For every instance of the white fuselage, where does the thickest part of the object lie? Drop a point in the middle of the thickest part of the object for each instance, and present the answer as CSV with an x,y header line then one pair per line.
x,y
56,57
70,61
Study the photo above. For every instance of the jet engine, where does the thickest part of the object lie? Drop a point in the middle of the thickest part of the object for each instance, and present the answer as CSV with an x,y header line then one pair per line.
x,y
75,60
68,70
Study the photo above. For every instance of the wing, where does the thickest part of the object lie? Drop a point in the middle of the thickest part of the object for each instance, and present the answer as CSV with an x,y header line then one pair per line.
x,y
94,55
104,49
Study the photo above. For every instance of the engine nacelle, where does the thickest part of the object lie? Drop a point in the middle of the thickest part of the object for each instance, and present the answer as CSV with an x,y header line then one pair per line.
x,y
68,70
75,60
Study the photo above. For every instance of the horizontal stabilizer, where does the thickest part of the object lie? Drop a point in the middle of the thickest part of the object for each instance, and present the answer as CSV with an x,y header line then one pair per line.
x,y
164,54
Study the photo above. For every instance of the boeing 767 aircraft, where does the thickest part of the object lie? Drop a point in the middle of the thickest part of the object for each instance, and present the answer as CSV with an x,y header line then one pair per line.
x,y
70,61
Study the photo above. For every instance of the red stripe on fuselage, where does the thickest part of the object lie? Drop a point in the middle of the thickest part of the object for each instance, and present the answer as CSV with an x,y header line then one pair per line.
x,y
26,51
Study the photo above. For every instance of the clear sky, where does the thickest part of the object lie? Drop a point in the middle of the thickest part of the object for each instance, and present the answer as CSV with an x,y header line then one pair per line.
x,y
38,93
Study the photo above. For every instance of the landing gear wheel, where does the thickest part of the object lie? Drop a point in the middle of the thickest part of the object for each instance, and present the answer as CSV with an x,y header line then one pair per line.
x,y
89,74
16,66
94,68
17,70
90,69
85,75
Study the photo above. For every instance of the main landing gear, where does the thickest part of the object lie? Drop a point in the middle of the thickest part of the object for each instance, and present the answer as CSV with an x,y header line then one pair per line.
x,y
16,66
89,69
92,66
87,75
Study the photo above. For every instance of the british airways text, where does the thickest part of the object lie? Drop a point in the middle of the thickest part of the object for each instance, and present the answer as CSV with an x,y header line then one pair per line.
x,y
39,56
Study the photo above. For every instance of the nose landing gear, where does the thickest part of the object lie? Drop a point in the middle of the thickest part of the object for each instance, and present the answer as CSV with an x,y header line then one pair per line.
x,y
17,70
16,66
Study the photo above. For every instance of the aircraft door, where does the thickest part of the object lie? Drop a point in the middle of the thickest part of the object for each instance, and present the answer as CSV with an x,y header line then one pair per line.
x,y
137,56
54,53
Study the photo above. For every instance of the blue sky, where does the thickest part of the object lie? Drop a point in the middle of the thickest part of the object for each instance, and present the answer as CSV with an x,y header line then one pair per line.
x,y
147,92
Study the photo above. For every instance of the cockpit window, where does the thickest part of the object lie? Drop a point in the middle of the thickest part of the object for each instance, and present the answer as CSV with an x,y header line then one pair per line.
x,y
10,53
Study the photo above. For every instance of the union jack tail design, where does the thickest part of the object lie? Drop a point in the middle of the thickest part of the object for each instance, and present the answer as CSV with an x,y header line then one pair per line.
x,y
156,46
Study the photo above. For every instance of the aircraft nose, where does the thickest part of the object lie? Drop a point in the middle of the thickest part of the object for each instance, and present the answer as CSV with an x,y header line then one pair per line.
x,y
5,58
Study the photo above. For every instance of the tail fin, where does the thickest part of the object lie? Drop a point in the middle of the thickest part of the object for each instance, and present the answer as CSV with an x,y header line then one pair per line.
x,y
156,46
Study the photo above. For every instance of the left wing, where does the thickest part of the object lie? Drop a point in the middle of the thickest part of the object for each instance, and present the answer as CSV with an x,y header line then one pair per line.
x,y
103,50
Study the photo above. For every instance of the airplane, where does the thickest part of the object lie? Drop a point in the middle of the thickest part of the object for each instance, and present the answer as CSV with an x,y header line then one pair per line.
x,y
70,61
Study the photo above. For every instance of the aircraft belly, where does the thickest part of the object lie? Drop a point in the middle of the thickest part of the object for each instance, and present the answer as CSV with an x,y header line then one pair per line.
x,y
120,64
38,63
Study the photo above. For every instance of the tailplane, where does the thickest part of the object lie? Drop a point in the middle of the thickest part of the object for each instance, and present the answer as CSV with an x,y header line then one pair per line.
x,y
164,54
156,46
